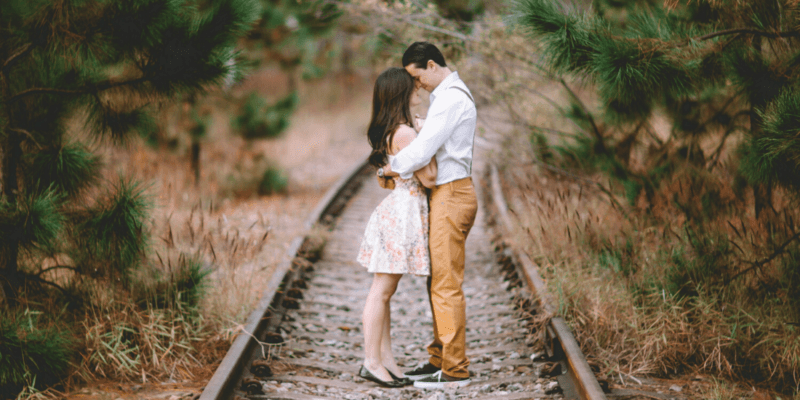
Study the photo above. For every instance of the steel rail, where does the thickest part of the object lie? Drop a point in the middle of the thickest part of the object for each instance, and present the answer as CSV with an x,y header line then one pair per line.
x,y
558,332
227,374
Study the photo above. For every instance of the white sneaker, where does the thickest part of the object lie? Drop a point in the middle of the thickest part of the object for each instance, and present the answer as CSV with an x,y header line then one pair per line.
x,y
440,381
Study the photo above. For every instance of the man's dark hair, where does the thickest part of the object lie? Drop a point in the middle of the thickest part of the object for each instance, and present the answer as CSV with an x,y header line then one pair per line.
x,y
420,52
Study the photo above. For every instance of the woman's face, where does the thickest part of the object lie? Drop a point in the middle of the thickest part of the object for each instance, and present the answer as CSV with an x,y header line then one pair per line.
x,y
415,99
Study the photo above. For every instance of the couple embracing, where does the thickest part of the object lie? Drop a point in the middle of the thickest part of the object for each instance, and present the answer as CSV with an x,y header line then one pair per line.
x,y
414,230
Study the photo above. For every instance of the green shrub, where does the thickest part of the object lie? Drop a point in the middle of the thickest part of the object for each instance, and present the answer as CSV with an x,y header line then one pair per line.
x,y
464,10
272,181
113,238
619,259
704,266
540,147
258,120
66,169
33,350
583,155
34,222
181,287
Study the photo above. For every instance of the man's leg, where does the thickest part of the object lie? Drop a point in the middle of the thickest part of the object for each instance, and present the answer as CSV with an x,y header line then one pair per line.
x,y
453,209
434,364
435,348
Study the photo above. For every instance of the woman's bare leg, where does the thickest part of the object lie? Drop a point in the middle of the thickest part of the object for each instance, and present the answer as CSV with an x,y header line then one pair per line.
x,y
387,357
375,313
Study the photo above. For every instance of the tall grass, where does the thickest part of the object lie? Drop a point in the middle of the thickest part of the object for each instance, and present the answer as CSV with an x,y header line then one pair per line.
x,y
206,252
142,344
680,277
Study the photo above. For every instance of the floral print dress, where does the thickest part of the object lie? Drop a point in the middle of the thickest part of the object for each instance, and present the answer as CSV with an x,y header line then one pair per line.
x,y
396,238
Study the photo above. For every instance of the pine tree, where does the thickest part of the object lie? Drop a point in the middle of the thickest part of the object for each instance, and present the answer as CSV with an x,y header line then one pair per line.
x,y
717,69
289,34
712,65
74,69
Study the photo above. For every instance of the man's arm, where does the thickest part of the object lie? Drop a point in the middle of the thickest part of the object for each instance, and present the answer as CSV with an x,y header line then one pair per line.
x,y
439,125
427,174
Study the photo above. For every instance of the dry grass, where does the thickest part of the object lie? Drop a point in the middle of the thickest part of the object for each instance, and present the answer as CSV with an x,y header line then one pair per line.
x,y
143,345
610,270
243,238
238,240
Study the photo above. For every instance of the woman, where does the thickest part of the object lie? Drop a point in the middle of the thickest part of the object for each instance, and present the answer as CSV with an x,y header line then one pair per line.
x,y
396,238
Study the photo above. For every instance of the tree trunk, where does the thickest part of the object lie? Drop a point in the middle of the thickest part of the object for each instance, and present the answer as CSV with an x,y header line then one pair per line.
x,y
9,278
12,151
196,160
291,74
762,191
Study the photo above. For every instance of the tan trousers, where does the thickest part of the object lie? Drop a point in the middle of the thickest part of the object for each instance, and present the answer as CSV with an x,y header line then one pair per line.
x,y
452,213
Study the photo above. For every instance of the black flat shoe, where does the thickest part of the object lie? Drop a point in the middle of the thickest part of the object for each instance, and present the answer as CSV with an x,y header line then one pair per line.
x,y
404,380
364,373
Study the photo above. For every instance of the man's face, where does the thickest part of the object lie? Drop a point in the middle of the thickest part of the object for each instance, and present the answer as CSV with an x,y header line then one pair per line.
x,y
423,78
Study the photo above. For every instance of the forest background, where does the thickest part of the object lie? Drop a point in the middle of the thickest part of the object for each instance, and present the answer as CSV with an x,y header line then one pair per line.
x,y
648,149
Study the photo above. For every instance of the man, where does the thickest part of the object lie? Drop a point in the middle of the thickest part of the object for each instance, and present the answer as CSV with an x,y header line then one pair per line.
x,y
448,134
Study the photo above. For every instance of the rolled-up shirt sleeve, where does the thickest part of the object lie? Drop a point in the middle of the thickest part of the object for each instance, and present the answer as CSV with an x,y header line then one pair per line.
x,y
440,122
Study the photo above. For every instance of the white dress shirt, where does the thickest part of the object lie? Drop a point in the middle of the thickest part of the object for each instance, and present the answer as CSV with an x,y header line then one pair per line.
x,y
448,133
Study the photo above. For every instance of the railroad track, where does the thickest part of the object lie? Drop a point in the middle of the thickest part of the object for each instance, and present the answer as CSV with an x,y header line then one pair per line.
x,y
304,340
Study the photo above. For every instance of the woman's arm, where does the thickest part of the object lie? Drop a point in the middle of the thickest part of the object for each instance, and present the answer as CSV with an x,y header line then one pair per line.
x,y
387,169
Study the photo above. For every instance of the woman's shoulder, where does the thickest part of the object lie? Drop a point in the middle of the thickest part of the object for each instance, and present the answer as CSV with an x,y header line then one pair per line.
x,y
405,130
403,136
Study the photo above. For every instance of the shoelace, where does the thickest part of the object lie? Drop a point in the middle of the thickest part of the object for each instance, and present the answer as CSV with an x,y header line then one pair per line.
x,y
437,375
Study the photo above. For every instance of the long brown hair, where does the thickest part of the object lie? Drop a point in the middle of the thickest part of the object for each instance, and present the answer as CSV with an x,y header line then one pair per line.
x,y
390,107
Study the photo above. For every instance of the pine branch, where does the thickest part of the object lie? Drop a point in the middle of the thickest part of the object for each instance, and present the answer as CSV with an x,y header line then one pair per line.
x,y
19,53
760,263
411,21
32,91
42,272
718,152
439,30
652,134
28,134
545,98
724,107
526,125
595,130
46,282
93,89
465,38
737,31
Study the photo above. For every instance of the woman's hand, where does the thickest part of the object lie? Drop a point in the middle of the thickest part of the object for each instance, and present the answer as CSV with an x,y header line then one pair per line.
x,y
387,171
386,183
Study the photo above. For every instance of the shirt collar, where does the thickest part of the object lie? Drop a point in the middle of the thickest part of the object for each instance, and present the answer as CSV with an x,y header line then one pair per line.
x,y
445,83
